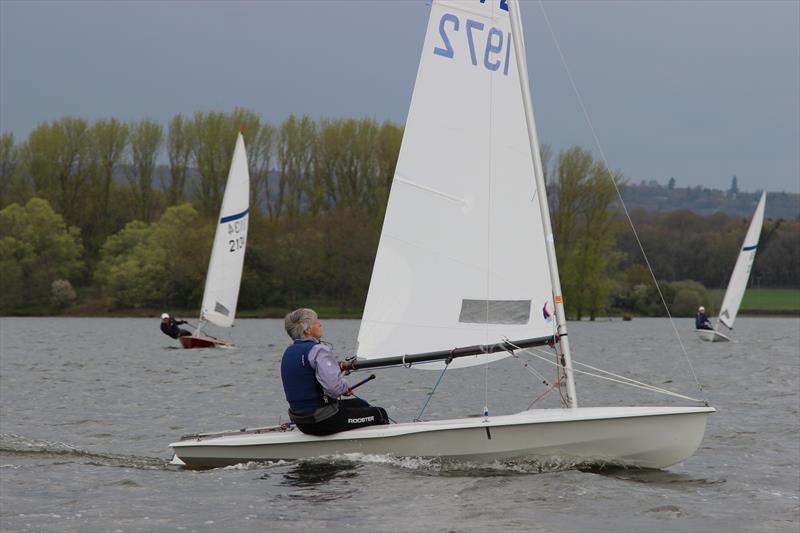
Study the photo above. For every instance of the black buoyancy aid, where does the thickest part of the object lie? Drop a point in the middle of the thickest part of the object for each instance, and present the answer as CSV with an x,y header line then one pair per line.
x,y
168,327
303,391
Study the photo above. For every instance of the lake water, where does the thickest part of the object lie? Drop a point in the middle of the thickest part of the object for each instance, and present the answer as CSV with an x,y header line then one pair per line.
x,y
88,407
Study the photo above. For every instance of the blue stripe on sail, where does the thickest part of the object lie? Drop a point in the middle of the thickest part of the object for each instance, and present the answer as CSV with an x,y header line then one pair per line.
x,y
748,248
231,218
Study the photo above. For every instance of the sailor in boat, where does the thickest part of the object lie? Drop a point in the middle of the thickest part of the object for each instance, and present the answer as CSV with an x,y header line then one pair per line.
x,y
313,382
169,326
701,319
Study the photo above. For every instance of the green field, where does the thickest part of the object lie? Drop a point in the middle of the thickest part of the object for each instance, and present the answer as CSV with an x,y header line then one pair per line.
x,y
767,301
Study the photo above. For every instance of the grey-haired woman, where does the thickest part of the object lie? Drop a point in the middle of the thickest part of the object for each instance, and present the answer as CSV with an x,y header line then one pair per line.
x,y
314,384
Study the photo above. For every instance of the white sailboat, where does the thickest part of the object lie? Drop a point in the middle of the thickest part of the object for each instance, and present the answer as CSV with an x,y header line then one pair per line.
x,y
738,283
224,275
466,258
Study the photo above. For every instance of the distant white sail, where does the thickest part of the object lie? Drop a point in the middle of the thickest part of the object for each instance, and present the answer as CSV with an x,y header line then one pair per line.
x,y
462,256
227,254
741,272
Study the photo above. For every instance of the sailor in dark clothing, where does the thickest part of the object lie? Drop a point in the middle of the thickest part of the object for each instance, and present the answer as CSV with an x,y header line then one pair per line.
x,y
170,327
313,383
701,320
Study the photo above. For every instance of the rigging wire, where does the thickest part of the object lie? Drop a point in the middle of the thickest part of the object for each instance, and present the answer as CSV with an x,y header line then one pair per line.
x,y
486,392
619,194
430,394
616,379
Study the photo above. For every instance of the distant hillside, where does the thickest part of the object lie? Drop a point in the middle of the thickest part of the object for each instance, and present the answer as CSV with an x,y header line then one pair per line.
x,y
655,197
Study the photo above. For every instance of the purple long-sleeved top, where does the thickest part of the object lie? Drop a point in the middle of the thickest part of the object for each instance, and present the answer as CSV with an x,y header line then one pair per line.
x,y
327,371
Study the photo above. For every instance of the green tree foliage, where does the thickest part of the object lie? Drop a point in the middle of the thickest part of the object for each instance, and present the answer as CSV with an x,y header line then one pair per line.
x,y
777,262
319,191
583,231
36,248
161,263
59,163
681,297
350,243
683,245
127,272
689,295
309,260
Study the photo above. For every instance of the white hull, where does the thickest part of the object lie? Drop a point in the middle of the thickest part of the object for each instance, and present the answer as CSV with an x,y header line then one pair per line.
x,y
648,437
710,335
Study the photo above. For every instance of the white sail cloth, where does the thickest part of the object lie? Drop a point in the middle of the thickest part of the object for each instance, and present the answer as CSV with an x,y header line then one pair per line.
x,y
741,271
230,240
461,259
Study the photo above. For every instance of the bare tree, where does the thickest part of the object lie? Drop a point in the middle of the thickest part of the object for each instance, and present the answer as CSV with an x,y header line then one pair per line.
x,y
212,150
295,145
9,160
260,153
110,140
179,151
146,139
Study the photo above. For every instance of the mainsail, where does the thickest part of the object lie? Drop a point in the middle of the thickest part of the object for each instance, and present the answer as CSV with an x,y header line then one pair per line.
x,y
462,257
227,254
744,263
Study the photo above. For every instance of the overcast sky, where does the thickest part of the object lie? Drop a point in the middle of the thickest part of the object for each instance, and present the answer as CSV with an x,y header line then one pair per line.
x,y
699,91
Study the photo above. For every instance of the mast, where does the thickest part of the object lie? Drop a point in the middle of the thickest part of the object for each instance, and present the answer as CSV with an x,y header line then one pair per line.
x,y
558,300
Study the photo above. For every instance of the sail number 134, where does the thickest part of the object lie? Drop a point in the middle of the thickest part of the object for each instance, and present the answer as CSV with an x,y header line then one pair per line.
x,y
493,55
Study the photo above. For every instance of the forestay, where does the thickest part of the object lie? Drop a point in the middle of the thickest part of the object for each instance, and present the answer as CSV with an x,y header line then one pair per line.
x,y
227,254
462,258
744,263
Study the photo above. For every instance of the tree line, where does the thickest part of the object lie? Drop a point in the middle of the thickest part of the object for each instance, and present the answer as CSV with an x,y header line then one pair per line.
x,y
89,220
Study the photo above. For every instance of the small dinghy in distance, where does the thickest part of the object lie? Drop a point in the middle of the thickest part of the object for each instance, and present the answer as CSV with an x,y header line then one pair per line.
x,y
227,255
738,282
454,268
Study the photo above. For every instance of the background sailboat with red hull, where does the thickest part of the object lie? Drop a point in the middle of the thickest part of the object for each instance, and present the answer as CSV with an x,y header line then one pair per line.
x,y
227,255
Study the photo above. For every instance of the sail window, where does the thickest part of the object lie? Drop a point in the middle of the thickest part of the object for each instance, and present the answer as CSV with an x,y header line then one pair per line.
x,y
221,309
495,311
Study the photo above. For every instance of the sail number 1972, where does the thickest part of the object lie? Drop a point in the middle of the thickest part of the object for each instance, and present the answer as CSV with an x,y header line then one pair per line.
x,y
492,55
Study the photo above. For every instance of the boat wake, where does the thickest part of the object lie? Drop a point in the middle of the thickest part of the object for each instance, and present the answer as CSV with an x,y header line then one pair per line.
x,y
12,445
433,466
440,466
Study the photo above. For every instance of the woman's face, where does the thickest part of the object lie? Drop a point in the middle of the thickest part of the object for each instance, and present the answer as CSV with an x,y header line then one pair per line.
x,y
315,330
